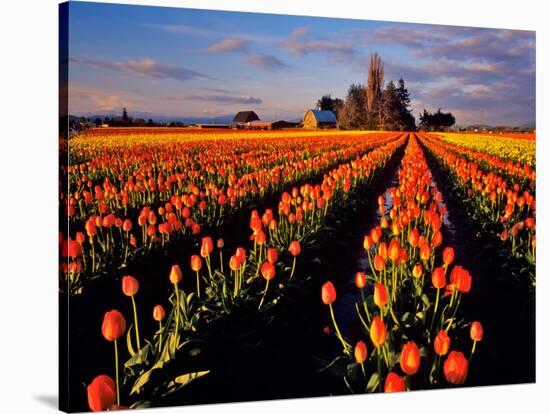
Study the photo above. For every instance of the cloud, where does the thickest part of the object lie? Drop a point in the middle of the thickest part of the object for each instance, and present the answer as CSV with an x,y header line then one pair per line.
x,y
227,99
300,43
182,29
266,62
145,67
230,44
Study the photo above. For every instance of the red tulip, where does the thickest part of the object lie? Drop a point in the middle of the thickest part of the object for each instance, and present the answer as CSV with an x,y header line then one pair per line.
x,y
328,293
476,331
268,271
101,393
175,274
219,243
158,313
368,242
378,331
127,225
360,280
130,285
114,325
196,263
410,358
272,255
360,352
413,237
380,295
461,279
394,250
448,255
234,263
394,383
442,343
438,278
455,368
294,248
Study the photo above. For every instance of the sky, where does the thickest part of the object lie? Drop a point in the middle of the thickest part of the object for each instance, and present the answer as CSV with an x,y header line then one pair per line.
x,y
175,62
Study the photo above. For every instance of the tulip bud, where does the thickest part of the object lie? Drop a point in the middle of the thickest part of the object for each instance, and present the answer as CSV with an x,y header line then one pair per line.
x,y
380,295
175,274
206,247
455,368
360,352
101,393
360,280
294,248
328,293
158,313
272,255
130,285
438,278
448,255
410,358
379,263
378,331
417,270
114,325
196,263
476,331
268,271
394,383
442,343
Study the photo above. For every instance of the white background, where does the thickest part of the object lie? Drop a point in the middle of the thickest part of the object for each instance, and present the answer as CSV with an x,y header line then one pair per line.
x,y
28,202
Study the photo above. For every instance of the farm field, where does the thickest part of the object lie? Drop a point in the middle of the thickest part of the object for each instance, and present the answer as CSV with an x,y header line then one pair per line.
x,y
207,266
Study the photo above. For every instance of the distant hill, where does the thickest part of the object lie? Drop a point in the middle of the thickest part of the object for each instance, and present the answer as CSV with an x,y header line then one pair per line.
x,y
222,119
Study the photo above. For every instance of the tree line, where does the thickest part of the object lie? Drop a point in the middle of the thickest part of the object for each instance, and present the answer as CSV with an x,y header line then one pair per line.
x,y
377,107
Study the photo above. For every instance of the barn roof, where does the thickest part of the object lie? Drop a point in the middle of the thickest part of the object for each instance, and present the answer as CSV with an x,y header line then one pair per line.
x,y
323,116
245,116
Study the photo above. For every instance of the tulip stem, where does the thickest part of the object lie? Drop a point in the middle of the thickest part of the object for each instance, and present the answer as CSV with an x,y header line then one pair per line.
x,y
340,337
136,322
177,316
293,266
116,374
263,296
160,336
473,349
199,283
435,309
221,261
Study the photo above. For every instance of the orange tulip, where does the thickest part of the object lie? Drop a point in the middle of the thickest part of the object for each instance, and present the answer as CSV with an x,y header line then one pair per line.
x,y
196,263
378,331
114,325
476,331
442,343
455,368
417,271
394,383
410,358
461,279
234,263
328,293
360,352
368,242
360,280
101,393
394,250
158,313
207,246
130,285
380,295
175,274
425,252
379,263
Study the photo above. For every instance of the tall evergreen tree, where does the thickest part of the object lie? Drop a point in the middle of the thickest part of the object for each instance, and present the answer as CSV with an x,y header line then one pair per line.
x,y
375,81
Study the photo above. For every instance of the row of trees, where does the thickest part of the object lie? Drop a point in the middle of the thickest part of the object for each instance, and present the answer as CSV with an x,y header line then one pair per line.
x,y
373,106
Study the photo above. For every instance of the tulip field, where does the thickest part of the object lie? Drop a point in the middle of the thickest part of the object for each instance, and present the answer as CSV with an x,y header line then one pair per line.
x,y
203,266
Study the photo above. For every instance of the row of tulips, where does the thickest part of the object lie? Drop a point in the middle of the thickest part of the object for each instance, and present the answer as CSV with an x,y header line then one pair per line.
x,y
222,282
516,148
150,175
108,240
508,207
411,336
